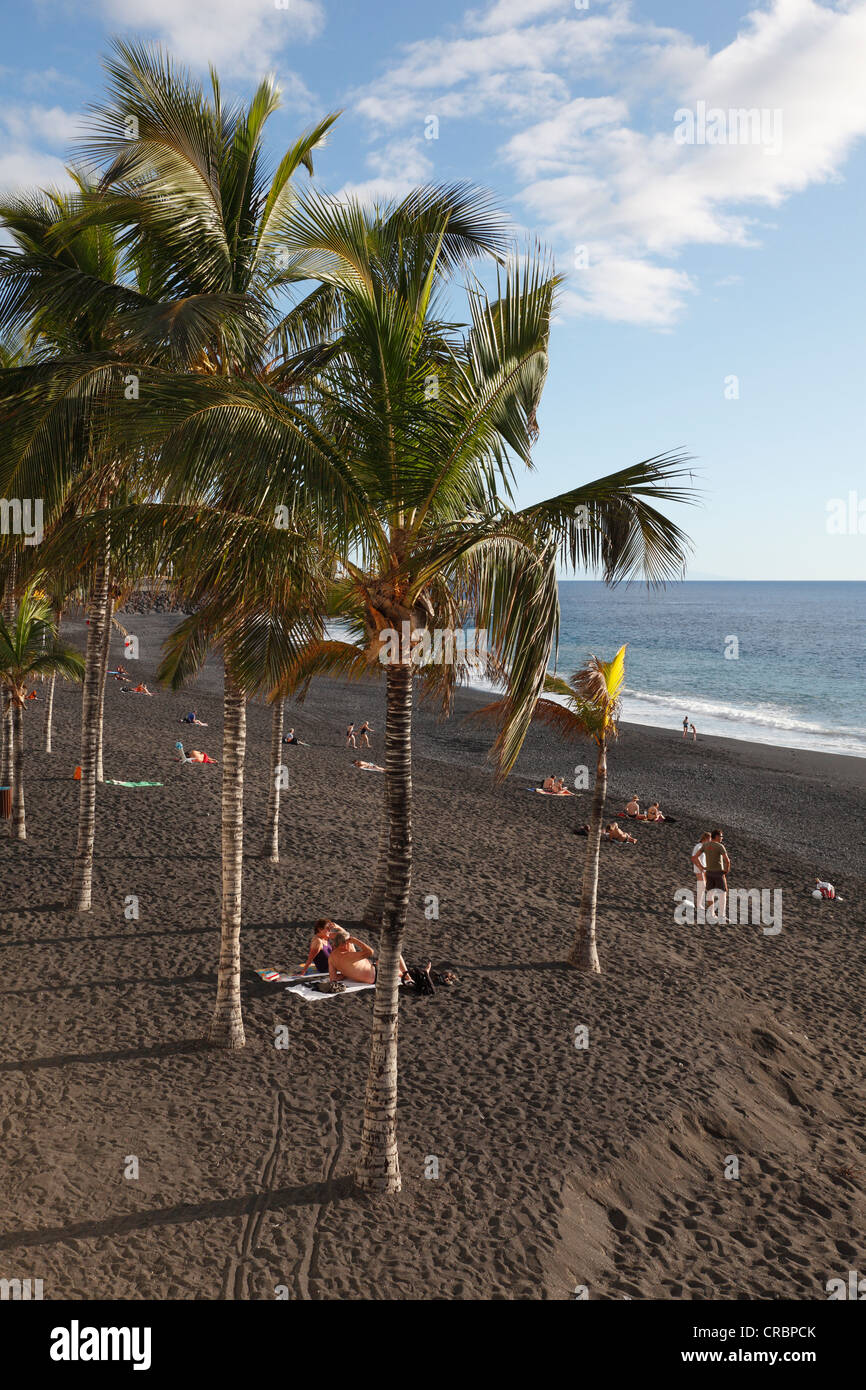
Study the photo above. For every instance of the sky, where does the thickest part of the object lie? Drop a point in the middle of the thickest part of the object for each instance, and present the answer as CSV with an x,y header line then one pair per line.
x,y
714,293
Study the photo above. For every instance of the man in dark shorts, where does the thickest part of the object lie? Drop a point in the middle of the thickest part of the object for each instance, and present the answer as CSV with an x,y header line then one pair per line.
x,y
718,863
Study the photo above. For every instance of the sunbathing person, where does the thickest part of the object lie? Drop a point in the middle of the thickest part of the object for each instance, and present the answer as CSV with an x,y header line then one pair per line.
x,y
653,812
292,738
193,756
320,947
560,789
549,784
367,767
135,690
351,959
633,810
616,833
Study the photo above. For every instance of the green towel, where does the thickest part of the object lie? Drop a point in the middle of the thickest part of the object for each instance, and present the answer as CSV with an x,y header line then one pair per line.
x,y
113,782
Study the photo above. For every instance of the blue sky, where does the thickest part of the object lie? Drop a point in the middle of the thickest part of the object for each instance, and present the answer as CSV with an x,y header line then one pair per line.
x,y
737,255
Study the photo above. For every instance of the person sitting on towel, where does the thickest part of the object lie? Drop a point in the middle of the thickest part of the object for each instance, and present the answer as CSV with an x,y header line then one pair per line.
x,y
351,959
549,784
653,812
192,718
320,948
633,810
290,737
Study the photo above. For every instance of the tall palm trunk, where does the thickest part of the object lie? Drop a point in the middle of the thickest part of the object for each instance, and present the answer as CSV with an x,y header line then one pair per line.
x,y
271,847
227,1025
82,876
375,909
6,736
584,952
19,825
103,677
379,1166
49,699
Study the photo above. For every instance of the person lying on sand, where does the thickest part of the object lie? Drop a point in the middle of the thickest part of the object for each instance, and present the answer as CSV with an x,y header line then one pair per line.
x,y
633,810
614,832
135,690
653,812
320,947
33,695
192,718
351,959
193,756
367,767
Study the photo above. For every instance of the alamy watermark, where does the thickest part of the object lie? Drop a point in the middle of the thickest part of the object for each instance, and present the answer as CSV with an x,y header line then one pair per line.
x,y
22,517
443,646
737,126
759,907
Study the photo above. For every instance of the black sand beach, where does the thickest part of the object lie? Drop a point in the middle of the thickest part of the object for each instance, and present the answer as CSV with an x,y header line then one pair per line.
x,y
557,1166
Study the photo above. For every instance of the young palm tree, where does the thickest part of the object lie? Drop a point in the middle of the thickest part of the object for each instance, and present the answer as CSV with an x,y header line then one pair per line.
x,y
29,649
591,710
271,846
403,439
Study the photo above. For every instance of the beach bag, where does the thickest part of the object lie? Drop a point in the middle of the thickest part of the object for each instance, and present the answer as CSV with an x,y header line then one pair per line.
x,y
421,980
329,986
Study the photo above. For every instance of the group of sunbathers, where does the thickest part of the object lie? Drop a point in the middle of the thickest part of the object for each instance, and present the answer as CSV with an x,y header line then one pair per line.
x,y
554,786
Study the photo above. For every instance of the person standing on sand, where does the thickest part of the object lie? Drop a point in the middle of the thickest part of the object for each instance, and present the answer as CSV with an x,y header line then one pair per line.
x,y
350,736
685,726
700,865
694,733
364,734
718,864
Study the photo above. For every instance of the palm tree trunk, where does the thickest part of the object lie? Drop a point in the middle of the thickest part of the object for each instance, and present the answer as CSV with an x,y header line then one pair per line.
x,y
227,1025
271,847
82,876
49,699
103,677
584,952
6,738
379,1166
375,909
19,825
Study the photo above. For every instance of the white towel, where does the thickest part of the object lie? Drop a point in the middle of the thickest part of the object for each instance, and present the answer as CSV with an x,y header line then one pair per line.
x,y
313,995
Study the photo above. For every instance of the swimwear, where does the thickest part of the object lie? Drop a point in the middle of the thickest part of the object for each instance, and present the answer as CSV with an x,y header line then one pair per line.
x,y
716,880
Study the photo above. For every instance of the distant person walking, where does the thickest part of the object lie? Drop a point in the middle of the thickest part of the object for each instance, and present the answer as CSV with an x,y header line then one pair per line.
x,y
718,864
686,726
364,734
350,736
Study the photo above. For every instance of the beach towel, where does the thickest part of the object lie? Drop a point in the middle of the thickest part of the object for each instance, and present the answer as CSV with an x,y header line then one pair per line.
x,y
542,792
313,995
113,782
274,977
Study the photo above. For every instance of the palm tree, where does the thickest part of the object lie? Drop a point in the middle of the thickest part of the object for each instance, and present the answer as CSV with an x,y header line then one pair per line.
x,y
271,845
403,439
172,257
591,710
29,649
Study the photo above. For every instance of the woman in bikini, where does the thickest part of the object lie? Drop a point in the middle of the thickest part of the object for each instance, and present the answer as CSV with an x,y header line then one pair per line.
x,y
653,812
320,948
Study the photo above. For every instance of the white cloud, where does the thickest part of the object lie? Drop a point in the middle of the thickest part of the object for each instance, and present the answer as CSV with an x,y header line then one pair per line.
x,y
398,167
598,164
237,36
51,126
28,169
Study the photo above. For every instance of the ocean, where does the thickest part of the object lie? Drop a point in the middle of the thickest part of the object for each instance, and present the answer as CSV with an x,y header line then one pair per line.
x,y
795,673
